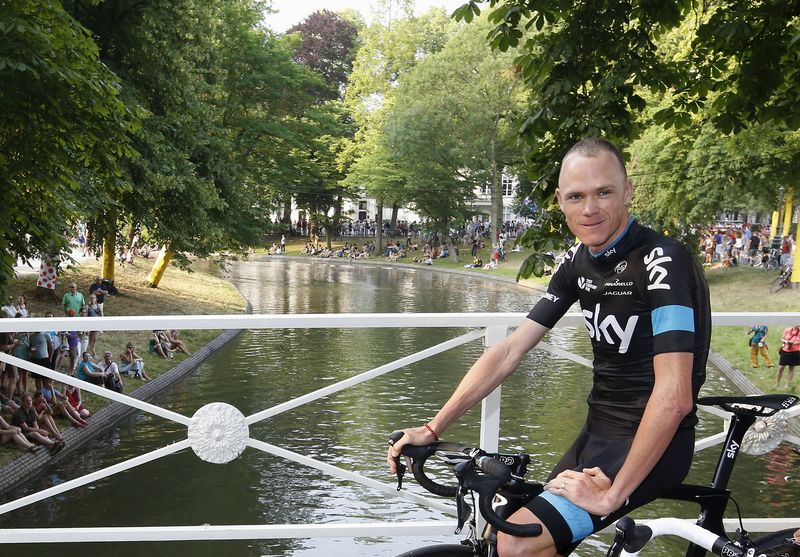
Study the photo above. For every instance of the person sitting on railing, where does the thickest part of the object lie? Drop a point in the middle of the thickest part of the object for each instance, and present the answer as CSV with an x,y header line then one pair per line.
x,y
60,405
26,419
132,364
11,433
76,401
45,415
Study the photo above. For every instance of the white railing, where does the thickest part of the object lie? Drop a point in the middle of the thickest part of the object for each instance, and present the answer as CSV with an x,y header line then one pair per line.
x,y
230,429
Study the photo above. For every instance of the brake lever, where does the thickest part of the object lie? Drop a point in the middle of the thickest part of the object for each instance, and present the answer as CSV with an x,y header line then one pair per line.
x,y
464,509
399,466
400,470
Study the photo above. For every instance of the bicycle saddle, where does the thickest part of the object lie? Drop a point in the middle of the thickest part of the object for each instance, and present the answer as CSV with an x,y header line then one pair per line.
x,y
758,405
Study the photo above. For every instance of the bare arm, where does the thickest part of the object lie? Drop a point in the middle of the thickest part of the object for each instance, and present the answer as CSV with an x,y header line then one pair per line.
x,y
489,371
670,401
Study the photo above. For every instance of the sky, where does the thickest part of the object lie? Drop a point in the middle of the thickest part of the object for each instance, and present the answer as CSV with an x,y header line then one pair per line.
x,y
290,12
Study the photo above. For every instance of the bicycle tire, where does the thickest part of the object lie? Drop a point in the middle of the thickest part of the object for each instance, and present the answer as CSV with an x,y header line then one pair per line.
x,y
779,284
441,550
770,265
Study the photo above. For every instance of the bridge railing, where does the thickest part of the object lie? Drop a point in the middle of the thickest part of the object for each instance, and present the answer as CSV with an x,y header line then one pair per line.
x,y
219,432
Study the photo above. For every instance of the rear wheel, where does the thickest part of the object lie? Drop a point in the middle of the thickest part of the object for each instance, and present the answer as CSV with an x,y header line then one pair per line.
x,y
771,264
443,550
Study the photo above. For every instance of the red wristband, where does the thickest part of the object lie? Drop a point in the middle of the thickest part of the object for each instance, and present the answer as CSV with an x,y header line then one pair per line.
x,y
429,428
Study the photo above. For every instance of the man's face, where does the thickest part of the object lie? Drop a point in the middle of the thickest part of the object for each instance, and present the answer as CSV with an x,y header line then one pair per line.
x,y
107,357
27,402
594,195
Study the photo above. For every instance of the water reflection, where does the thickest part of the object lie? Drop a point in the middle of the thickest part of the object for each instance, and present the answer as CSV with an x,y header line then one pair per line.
x,y
543,407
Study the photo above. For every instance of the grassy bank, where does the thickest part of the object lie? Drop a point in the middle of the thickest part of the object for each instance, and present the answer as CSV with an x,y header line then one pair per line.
x,y
506,269
747,289
201,292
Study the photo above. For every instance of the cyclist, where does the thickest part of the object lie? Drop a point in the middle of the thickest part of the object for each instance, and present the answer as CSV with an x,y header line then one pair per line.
x,y
645,304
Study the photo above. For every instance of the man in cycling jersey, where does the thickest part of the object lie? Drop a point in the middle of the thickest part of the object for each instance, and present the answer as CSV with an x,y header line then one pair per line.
x,y
645,304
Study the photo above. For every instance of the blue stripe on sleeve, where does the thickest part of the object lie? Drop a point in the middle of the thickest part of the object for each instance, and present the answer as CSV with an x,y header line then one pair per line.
x,y
672,318
578,520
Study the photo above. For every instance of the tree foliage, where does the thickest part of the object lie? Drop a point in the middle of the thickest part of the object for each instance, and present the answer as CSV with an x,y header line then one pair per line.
x,y
591,66
63,132
328,46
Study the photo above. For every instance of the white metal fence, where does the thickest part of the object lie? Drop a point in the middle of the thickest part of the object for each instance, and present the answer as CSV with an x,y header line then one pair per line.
x,y
218,432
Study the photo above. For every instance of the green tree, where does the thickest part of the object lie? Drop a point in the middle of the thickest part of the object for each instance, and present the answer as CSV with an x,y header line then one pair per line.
x,y
590,68
453,125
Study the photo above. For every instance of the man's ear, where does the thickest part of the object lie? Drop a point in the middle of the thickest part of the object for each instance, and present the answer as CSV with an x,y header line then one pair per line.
x,y
628,192
558,197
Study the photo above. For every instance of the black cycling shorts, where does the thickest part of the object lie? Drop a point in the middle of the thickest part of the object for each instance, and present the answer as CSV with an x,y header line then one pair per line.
x,y
606,446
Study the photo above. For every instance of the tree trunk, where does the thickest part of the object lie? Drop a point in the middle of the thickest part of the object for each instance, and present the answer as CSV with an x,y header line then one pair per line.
x,y
379,230
109,251
286,219
393,223
496,190
159,267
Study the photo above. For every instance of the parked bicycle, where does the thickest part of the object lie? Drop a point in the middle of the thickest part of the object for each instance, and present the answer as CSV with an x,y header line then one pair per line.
x,y
784,280
773,260
497,481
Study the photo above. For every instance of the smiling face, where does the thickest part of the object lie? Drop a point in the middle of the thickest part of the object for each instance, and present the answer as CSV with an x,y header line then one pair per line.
x,y
594,194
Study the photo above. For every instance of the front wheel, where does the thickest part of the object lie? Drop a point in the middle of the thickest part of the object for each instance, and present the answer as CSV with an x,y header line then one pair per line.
x,y
779,283
442,550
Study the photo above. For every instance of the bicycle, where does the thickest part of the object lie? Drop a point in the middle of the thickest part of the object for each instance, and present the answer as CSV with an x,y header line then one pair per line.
x,y
773,260
784,280
498,481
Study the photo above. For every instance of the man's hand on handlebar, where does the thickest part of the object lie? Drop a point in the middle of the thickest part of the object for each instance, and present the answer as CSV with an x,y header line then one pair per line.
x,y
413,436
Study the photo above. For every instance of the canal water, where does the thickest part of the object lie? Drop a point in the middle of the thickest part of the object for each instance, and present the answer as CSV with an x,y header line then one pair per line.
x,y
543,407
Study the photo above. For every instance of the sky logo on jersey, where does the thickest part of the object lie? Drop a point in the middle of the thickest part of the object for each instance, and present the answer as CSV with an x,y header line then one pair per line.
x,y
609,328
586,284
653,262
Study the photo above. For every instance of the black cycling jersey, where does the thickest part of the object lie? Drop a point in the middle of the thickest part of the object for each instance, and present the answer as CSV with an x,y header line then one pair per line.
x,y
643,295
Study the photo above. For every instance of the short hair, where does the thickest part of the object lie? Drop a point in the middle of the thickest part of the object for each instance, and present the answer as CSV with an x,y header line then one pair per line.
x,y
592,147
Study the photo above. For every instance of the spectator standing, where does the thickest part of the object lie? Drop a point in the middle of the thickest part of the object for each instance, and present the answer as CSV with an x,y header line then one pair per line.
x,y
100,292
789,355
758,344
752,251
786,251
40,354
73,301
22,305
22,350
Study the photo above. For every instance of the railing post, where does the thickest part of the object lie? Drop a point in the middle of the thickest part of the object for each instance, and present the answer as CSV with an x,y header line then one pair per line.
x,y
490,407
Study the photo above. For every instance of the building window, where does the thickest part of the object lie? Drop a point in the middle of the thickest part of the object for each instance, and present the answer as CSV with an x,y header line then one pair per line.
x,y
508,186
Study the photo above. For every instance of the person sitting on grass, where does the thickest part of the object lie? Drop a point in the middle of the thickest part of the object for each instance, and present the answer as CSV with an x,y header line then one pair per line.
x,y
88,371
159,344
45,415
26,419
175,342
132,364
10,433
76,401
111,377
60,405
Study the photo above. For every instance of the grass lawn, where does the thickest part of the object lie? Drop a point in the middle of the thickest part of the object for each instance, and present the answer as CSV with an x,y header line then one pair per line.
x,y
508,268
747,289
179,293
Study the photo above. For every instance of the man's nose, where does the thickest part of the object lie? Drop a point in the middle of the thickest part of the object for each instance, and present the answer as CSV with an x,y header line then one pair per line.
x,y
589,205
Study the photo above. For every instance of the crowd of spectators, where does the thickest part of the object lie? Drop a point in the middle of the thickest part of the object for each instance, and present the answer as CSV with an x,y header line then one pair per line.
x,y
750,245
31,405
